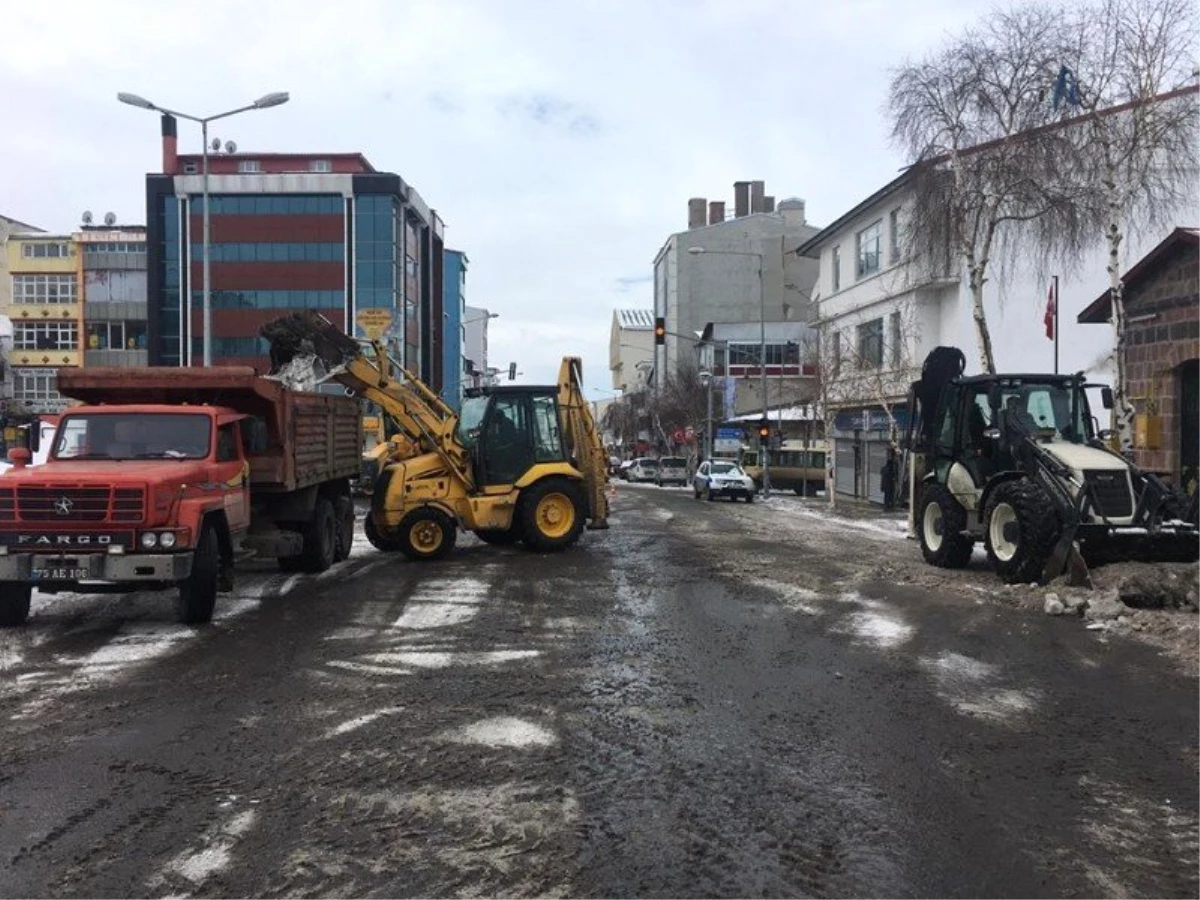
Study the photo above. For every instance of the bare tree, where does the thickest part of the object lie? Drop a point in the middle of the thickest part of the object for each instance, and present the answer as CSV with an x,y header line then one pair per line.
x,y
971,115
1127,84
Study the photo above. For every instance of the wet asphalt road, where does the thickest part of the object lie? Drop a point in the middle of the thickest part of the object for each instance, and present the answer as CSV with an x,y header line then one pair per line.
x,y
701,701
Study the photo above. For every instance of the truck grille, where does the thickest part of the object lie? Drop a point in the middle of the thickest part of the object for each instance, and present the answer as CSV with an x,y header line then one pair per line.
x,y
46,503
1111,492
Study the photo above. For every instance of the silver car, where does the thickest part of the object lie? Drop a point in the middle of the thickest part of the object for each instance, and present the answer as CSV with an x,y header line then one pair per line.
x,y
643,469
722,478
672,470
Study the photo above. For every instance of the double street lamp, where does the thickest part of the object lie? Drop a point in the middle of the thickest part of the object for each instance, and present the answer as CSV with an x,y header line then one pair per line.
x,y
263,102
762,321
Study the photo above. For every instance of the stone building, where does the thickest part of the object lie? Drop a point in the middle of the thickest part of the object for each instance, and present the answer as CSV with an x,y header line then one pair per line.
x,y
1162,309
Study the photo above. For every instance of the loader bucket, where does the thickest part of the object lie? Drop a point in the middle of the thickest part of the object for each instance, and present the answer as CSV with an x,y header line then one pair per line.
x,y
1066,558
307,333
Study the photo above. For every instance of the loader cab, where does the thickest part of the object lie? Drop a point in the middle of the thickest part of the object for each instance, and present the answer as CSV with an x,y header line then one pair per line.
x,y
509,430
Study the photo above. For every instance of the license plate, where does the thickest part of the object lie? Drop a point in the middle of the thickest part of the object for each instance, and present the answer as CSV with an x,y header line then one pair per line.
x,y
60,574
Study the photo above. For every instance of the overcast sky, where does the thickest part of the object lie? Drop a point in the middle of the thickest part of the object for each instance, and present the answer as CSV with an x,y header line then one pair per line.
x,y
560,141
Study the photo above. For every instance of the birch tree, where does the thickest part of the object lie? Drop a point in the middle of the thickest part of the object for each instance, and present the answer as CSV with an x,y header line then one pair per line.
x,y
1127,87
970,117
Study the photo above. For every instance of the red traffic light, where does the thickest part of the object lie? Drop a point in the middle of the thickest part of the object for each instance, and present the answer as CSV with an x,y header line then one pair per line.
x,y
764,430
660,330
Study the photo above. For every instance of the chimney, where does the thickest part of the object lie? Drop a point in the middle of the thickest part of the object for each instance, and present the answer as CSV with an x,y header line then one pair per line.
x,y
756,196
768,204
741,198
716,212
696,208
170,149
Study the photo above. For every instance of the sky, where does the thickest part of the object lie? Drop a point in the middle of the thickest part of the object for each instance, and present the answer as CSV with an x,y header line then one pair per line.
x,y
559,141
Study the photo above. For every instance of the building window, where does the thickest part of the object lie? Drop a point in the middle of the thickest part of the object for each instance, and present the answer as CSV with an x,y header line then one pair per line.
x,y
116,336
190,168
45,336
249,166
894,236
320,165
895,340
34,387
271,205
46,251
326,300
44,289
870,344
837,268
834,352
270,252
868,241
114,247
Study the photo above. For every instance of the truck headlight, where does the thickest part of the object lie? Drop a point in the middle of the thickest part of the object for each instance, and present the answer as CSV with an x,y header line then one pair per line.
x,y
166,540
149,540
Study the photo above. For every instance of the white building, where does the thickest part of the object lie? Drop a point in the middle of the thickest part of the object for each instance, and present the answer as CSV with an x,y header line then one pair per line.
x,y
631,348
879,314
475,344
738,269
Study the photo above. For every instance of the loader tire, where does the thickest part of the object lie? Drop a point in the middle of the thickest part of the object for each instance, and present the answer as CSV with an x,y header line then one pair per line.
x,y
377,540
551,514
941,525
14,603
1020,531
426,533
198,592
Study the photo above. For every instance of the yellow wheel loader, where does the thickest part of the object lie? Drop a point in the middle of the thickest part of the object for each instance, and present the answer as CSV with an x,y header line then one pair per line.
x,y
518,464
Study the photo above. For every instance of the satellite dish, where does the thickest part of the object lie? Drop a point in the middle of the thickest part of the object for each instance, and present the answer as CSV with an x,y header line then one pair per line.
x,y
110,218
230,147
216,145
87,217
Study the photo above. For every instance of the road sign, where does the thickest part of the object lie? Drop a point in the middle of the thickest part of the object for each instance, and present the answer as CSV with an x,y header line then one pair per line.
x,y
727,445
373,322
729,434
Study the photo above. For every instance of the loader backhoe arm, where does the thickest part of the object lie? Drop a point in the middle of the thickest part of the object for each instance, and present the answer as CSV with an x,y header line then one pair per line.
x,y
583,439
366,368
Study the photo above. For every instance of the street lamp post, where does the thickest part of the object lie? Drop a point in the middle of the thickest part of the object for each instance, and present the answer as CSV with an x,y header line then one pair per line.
x,y
707,378
762,321
263,102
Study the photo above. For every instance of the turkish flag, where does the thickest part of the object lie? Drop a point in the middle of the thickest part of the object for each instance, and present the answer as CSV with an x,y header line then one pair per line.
x,y
1051,308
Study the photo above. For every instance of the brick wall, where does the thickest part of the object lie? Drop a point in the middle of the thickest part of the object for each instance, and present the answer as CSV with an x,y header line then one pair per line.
x,y
1169,295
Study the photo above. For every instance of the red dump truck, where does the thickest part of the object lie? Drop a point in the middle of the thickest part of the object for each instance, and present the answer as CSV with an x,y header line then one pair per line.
x,y
166,476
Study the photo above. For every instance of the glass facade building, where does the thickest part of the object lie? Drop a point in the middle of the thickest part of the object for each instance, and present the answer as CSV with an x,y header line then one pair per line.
x,y
352,244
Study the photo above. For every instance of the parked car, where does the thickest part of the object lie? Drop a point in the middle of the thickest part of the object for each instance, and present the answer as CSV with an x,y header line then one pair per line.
x,y
623,469
722,478
643,469
672,470
614,465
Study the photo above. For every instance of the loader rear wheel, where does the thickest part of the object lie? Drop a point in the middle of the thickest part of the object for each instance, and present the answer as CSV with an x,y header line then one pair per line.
x,y
551,514
1020,530
14,603
426,533
943,521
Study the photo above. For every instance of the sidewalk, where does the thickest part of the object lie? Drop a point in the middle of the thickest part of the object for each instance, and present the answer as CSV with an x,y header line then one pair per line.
x,y
850,507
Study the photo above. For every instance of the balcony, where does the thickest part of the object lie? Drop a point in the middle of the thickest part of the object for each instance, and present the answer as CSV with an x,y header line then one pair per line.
x,y
116,358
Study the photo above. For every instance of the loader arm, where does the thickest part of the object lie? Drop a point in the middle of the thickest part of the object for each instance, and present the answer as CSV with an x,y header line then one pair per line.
x,y
422,416
583,439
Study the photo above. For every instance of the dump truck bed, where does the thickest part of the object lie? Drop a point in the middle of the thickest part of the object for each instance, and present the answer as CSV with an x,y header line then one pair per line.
x,y
309,438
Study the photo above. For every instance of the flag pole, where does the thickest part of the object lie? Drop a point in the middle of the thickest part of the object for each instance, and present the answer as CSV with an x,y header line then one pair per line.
x,y
1056,325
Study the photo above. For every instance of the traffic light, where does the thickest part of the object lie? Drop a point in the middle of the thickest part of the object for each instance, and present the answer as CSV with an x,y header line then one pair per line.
x,y
764,429
660,330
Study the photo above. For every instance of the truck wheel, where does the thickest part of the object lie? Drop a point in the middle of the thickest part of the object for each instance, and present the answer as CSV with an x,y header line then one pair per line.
x,y
198,592
321,538
14,603
1021,528
942,522
501,537
551,514
344,514
426,533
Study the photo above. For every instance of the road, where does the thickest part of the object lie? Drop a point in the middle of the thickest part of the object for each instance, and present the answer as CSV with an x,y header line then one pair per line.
x,y
709,699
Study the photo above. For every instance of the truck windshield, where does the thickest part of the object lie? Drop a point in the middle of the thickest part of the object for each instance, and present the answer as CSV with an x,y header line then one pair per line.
x,y
469,420
1053,411
133,436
